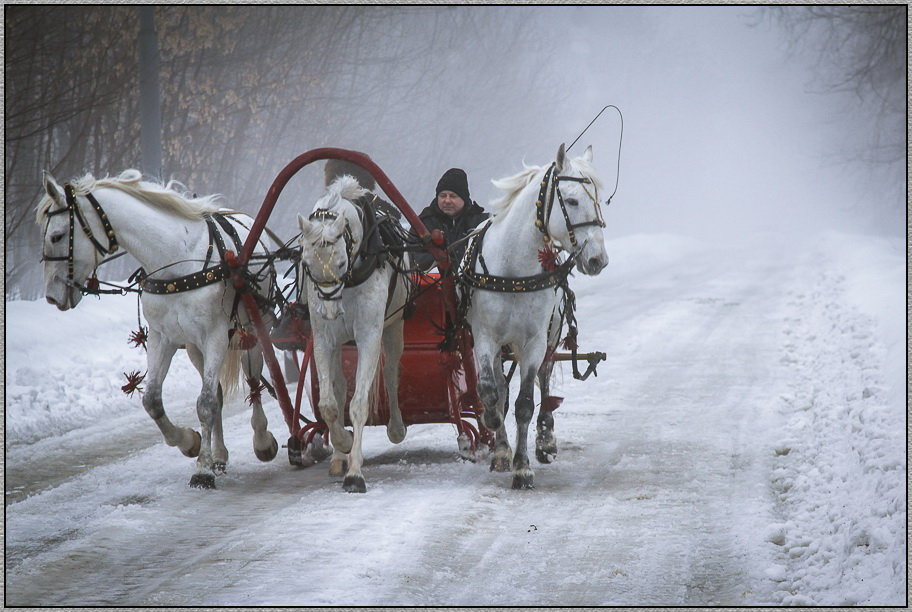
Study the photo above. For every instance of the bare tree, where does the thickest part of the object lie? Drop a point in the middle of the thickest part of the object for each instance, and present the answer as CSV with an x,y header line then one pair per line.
x,y
859,49
244,89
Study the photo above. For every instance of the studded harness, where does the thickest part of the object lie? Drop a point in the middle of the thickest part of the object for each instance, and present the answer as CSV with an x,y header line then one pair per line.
x,y
547,193
210,274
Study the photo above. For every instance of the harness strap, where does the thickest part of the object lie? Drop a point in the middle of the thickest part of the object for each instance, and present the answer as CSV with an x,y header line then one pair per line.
x,y
70,192
370,257
504,284
208,275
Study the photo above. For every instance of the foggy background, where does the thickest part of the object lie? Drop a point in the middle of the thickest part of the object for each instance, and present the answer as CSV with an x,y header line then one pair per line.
x,y
737,119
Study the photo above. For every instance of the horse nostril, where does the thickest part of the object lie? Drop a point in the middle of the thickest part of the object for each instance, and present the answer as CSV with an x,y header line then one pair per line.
x,y
594,263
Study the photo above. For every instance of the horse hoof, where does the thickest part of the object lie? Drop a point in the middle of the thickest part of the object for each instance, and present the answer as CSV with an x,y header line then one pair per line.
x,y
337,468
203,481
194,449
500,464
354,484
294,451
522,481
269,454
545,455
396,434
316,451
491,421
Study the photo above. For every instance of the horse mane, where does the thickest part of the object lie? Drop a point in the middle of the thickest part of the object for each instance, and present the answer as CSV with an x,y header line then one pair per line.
x,y
171,197
513,185
345,187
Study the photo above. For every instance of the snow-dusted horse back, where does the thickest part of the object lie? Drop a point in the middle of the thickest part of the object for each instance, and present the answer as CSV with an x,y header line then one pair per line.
x,y
513,289
351,297
186,300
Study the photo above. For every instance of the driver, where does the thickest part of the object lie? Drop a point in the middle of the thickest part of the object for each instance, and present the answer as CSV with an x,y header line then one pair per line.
x,y
453,212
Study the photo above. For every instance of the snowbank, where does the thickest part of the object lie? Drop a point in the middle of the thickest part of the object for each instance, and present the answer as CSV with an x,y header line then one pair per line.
x,y
840,474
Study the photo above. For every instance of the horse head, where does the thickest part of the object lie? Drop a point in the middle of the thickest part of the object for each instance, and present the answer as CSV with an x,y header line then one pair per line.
x,y
329,240
579,227
68,254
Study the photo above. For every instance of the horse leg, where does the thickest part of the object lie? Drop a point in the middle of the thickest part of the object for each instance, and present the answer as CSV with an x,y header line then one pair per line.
x,y
160,353
208,411
491,390
265,446
368,362
545,442
501,459
219,450
393,344
525,407
332,387
338,463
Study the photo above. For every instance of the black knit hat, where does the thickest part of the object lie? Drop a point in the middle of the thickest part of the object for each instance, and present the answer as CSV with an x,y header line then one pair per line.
x,y
455,180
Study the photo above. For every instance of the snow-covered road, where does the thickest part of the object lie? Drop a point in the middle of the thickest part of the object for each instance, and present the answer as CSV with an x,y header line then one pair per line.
x,y
742,445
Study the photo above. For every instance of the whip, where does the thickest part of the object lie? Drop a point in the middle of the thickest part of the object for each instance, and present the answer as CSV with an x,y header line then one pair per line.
x,y
617,175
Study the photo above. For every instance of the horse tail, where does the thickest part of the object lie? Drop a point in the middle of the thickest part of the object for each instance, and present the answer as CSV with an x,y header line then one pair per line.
x,y
374,397
231,371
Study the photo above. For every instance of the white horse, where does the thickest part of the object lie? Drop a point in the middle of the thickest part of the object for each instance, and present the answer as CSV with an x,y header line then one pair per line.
x,y
186,298
359,296
512,298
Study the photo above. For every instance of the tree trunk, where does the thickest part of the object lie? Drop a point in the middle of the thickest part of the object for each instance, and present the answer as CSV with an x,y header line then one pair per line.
x,y
149,96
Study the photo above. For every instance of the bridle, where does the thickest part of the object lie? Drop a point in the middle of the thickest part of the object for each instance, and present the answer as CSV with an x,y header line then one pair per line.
x,y
335,284
545,204
75,213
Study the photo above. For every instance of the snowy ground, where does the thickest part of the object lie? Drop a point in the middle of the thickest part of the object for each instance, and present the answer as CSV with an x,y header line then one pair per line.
x,y
744,444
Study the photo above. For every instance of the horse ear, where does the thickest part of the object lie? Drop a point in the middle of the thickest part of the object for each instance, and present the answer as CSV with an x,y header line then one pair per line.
x,y
559,160
303,224
587,154
338,225
50,186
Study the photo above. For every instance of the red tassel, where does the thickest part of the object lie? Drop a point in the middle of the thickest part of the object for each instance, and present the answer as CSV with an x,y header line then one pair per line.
x,y
245,340
133,380
547,257
256,390
139,338
569,343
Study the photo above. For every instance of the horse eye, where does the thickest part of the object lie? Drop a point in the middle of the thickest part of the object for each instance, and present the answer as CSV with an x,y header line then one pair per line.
x,y
55,238
572,202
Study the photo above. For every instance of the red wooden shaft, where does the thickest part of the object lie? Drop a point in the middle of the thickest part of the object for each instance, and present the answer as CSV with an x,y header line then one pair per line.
x,y
272,363
355,157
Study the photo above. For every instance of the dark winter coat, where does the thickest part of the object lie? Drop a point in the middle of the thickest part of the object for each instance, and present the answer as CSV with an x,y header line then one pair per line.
x,y
453,229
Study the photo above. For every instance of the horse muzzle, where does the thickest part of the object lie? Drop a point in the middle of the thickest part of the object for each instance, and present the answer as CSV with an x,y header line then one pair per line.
x,y
330,309
592,265
63,296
